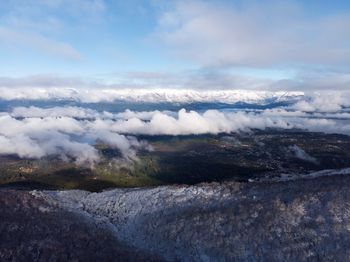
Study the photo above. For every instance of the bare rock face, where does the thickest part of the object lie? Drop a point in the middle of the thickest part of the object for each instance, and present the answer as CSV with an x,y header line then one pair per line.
x,y
301,220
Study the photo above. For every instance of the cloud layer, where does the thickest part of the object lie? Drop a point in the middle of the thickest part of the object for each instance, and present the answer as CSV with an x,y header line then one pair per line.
x,y
271,33
71,132
198,80
66,137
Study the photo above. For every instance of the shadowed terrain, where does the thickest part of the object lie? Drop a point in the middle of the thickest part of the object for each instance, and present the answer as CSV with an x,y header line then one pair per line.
x,y
33,230
301,220
186,160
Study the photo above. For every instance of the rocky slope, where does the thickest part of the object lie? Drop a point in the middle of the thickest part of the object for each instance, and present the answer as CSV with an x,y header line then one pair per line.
x,y
300,220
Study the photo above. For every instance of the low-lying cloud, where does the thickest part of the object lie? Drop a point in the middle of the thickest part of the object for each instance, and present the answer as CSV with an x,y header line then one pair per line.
x,y
66,137
71,132
301,154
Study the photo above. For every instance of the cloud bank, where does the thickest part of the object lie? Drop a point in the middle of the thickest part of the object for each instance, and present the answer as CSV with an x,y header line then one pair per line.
x,y
191,80
71,132
66,137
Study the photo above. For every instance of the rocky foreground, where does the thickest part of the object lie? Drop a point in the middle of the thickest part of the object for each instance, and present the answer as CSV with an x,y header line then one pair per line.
x,y
300,220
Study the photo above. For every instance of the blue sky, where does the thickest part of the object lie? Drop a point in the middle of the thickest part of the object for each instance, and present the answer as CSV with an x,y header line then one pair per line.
x,y
155,42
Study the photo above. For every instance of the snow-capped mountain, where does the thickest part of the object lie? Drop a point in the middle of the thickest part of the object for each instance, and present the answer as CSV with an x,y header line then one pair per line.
x,y
148,95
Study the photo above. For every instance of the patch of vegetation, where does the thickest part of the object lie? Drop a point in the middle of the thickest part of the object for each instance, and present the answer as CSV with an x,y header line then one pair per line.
x,y
185,159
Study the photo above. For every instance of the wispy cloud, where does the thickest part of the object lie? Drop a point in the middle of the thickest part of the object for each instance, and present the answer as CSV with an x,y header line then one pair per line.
x,y
43,25
301,154
271,33
39,43
200,80
213,43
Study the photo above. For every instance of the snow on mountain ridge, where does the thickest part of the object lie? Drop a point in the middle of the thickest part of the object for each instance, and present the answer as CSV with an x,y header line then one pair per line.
x,y
147,95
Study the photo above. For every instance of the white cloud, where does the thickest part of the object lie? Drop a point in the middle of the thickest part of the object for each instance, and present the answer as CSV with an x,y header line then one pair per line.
x,y
45,26
144,115
196,80
324,102
68,111
39,43
66,137
254,34
71,132
301,154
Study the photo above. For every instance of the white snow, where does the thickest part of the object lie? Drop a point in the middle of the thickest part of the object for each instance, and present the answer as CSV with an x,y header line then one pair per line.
x,y
146,95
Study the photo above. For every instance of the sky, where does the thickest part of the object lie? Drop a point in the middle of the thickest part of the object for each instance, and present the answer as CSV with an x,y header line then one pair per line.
x,y
192,44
